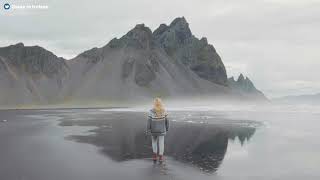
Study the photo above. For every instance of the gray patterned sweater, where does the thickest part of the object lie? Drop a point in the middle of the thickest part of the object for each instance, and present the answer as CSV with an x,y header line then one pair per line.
x,y
157,126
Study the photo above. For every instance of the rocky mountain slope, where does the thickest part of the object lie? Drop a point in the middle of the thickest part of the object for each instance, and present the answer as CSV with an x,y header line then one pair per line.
x,y
30,75
169,61
183,47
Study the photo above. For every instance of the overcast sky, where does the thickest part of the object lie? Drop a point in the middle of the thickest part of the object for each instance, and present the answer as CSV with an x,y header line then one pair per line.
x,y
276,43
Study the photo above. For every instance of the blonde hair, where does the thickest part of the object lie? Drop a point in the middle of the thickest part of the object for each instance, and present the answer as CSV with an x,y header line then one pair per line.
x,y
158,107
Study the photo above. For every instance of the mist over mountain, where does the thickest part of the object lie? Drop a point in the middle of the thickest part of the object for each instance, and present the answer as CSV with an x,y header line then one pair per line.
x,y
305,99
168,62
245,87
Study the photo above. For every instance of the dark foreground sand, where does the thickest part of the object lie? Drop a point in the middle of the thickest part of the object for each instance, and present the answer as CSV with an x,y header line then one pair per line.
x,y
89,144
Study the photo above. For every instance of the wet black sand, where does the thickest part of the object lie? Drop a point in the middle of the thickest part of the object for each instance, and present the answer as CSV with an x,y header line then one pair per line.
x,y
92,144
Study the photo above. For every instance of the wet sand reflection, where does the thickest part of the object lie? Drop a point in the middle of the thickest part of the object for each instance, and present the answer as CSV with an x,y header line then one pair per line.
x,y
121,136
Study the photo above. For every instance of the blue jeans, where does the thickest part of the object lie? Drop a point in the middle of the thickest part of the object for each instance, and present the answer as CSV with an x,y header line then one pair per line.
x,y
158,144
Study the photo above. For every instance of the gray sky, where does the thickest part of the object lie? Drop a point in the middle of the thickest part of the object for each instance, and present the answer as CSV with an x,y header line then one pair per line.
x,y
276,43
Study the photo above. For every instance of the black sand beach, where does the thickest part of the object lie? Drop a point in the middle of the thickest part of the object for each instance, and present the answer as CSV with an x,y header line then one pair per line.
x,y
82,144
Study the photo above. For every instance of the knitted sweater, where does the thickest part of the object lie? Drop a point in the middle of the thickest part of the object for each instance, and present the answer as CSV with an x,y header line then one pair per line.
x,y
158,126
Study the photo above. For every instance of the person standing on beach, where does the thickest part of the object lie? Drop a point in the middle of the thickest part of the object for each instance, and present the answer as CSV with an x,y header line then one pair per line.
x,y
157,126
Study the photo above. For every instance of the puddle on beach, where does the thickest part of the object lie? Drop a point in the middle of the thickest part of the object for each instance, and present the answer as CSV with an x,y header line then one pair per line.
x,y
195,138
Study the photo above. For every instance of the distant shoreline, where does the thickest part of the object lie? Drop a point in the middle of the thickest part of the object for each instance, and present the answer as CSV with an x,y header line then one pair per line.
x,y
61,108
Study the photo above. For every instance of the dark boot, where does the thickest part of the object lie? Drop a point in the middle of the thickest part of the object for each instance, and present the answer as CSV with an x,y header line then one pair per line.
x,y
161,158
154,157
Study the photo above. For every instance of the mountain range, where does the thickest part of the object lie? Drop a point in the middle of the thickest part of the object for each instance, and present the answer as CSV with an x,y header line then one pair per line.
x,y
245,87
168,62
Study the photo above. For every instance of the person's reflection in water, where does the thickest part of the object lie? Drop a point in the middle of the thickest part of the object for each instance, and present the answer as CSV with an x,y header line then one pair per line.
x,y
202,145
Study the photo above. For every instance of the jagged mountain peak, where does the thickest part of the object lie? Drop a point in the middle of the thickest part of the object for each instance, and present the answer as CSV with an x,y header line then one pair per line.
x,y
179,23
241,78
140,37
181,27
245,86
179,20
140,31
20,44
199,56
162,28
247,79
93,55
178,30
204,40
232,79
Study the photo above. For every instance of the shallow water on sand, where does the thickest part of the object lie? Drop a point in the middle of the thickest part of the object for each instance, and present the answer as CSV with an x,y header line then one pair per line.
x,y
111,144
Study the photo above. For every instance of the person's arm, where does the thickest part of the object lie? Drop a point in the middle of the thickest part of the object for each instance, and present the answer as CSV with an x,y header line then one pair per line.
x,y
149,123
167,122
